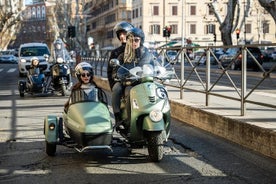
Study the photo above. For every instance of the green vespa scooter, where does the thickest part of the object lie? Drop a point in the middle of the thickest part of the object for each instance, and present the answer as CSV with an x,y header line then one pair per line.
x,y
145,108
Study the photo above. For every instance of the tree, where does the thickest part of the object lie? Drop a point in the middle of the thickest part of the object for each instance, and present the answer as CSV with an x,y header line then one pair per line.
x,y
270,7
10,17
228,25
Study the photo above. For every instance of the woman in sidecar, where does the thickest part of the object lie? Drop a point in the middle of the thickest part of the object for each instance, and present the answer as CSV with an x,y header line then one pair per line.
x,y
86,117
86,89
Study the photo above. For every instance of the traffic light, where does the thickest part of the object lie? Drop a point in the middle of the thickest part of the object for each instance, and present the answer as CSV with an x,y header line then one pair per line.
x,y
215,37
166,31
238,33
71,31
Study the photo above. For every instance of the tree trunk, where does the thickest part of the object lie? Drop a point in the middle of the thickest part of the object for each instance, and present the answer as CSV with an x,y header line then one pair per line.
x,y
227,25
270,7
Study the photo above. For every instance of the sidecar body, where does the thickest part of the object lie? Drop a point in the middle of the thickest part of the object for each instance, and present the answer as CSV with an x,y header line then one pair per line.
x,y
84,125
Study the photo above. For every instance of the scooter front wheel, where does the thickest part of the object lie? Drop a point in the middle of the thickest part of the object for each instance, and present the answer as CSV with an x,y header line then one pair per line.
x,y
65,90
155,146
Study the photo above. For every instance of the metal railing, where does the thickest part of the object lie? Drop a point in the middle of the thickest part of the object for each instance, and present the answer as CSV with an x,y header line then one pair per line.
x,y
209,71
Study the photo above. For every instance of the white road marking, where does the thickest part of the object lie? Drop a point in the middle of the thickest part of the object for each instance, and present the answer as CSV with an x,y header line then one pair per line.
x,y
11,70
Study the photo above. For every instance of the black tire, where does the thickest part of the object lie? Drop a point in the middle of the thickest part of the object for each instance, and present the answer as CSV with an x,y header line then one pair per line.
x,y
21,74
60,129
21,94
51,149
65,91
155,146
21,91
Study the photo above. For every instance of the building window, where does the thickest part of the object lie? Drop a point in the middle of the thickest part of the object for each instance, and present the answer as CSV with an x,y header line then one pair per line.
x,y
174,29
265,27
192,10
109,34
192,28
43,12
136,13
141,12
155,29
210,29
38,12
125,15
33,12
94,25
155,10
248,28
110,18
174,10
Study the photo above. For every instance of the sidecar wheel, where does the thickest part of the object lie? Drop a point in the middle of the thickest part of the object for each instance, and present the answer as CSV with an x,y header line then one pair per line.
x,y
51,149
155,146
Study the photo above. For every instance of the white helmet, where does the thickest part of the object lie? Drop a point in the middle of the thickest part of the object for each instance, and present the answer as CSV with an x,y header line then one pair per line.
x,y
34,61
84,66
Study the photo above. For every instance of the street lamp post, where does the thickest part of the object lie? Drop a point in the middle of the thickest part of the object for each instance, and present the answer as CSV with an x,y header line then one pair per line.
x,y
244,20
183,34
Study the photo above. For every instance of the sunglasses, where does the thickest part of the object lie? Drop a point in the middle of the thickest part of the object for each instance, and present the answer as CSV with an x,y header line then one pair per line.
x,y
136,40
85,74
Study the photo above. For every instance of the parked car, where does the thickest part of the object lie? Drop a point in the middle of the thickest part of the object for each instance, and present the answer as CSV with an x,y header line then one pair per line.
x,y
30,50
273,55
8,57
169,66
200,57
236,55
172,56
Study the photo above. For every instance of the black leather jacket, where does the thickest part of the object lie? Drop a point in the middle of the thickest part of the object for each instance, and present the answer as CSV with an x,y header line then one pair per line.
x,y
111,70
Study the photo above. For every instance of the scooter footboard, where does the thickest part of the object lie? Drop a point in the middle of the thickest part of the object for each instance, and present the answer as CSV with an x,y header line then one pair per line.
x,y
51,125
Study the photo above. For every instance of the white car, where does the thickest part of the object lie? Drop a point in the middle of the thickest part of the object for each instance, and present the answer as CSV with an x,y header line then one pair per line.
x,y
273,55
8,57
30,50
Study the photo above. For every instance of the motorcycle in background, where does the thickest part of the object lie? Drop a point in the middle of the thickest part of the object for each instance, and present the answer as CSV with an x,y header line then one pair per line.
x,y
35,82
145,108
61,78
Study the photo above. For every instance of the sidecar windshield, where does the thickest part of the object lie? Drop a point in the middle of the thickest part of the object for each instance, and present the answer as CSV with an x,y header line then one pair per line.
x,y
81,96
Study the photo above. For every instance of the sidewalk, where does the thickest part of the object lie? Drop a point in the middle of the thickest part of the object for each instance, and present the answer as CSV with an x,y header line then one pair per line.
x,y
256,130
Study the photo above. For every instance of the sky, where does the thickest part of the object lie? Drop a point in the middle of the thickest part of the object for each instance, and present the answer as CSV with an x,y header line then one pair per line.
x,y
28,1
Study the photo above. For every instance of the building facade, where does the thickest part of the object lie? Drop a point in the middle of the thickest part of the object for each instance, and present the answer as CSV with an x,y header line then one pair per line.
x,y
34,26
186,18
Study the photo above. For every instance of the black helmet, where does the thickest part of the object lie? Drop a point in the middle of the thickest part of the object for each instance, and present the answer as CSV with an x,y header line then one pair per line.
x,y
122,26
137,33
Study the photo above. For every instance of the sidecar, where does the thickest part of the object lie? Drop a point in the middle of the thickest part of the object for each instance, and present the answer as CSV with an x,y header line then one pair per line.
x,y
35,82
84,125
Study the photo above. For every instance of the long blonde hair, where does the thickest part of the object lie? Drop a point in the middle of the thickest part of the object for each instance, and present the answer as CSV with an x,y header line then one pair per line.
x,y
129,53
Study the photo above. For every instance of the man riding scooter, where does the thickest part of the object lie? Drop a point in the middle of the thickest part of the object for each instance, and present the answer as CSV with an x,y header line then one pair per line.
x,y
120,29
135,54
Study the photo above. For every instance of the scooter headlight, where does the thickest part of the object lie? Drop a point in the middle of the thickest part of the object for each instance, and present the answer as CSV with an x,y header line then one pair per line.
x,y
156,115
60,60
23,60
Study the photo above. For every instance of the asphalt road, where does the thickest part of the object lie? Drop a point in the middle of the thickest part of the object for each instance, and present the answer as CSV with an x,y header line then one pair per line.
x,y
191,155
